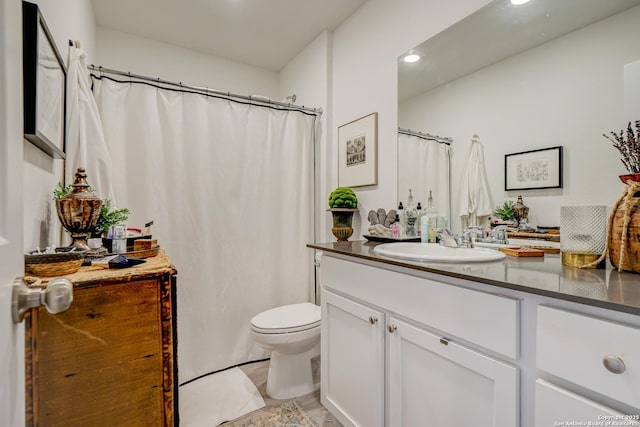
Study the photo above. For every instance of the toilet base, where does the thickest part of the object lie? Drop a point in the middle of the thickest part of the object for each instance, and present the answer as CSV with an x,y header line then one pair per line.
x,y
291,375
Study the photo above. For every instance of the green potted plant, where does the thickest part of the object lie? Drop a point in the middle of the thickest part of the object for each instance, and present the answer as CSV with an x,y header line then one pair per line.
x,y
506,212
343,203
109,217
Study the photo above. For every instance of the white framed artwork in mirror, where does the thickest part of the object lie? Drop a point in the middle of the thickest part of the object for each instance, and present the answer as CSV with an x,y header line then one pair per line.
x,y
358,152
534,169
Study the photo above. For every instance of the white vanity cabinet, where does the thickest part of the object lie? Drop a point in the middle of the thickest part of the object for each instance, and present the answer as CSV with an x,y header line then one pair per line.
x,y
593,353
352,371
392,356
436,382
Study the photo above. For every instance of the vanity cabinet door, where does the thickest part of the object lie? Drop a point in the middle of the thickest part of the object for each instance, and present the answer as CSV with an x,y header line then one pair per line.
x,y
434,381
352,361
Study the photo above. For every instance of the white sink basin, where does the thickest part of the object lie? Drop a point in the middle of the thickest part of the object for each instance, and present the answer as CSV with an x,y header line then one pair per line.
x,y
434,252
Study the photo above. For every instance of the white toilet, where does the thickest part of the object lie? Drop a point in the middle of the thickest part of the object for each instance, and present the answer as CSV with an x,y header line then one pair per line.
x,y
292,334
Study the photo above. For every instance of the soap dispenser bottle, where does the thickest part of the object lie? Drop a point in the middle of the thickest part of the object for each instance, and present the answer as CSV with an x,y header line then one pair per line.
x,y
396,228
402,219
432,213
419,215
411,215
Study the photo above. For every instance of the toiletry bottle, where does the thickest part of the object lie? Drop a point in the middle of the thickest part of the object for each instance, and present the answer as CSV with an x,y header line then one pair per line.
x,y
403,219
119,242
396,228
424,225
431,212
412,216
419,215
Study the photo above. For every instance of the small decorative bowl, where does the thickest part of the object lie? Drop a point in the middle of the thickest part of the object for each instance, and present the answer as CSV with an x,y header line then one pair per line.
x,y
60,263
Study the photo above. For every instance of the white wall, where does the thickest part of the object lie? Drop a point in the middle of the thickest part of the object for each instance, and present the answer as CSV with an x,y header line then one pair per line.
x,y
308,77
364,76
138,55
566,92
66,19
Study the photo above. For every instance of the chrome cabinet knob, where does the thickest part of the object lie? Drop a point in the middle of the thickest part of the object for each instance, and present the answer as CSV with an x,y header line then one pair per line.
x,y
614,364
373,320
392,328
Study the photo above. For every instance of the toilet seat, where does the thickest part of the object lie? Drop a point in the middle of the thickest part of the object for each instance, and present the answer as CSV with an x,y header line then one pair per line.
x,y
287,319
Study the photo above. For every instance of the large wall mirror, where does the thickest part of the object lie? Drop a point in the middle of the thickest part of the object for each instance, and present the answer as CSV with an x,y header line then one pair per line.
x,y
543,74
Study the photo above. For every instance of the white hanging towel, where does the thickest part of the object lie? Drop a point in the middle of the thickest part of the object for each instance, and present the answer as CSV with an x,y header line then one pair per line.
x,y
86,146
475,197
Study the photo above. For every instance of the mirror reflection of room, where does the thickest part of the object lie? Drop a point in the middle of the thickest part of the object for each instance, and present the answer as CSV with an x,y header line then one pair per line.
x,y
562,76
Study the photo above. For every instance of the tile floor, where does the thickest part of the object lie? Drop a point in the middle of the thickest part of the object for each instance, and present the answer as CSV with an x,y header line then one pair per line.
x,y
257,373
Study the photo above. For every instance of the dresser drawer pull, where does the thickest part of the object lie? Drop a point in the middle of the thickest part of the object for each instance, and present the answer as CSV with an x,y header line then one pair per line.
x,y
392,328
373,320
614,364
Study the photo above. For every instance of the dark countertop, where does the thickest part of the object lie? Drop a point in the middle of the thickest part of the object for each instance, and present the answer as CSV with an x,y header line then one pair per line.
x,y
606,288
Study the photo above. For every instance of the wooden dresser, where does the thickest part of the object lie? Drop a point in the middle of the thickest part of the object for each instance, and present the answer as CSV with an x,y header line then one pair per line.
x,y
110,360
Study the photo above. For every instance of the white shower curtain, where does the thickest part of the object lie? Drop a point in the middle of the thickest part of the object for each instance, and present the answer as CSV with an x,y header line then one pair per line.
x,y
423,166
229,187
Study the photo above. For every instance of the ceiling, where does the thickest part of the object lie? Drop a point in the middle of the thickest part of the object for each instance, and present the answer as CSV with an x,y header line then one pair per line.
x,y
262,33
494,33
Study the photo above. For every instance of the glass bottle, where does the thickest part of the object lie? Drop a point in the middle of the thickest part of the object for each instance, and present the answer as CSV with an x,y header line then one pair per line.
x,y
431,212
412,216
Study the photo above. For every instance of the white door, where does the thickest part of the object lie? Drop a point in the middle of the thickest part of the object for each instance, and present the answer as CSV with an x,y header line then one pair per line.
x,y
352,362
434,381
11,259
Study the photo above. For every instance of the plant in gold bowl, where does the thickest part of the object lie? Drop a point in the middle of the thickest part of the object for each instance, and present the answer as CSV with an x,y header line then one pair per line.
x,y
624,222
343,204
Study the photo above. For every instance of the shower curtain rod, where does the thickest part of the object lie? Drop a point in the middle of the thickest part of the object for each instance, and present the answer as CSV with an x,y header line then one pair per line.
x,y
253,99
439,139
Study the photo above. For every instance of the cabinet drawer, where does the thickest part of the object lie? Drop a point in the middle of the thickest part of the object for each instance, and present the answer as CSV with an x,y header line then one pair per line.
x,y
573,346
555,405
488,320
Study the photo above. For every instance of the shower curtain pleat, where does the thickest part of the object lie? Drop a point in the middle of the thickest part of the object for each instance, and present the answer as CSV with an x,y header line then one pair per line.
x,y
423,166
229,187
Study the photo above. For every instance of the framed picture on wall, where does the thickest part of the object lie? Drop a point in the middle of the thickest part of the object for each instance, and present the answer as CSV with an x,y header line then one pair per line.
x,y
358,152
44,84
533,169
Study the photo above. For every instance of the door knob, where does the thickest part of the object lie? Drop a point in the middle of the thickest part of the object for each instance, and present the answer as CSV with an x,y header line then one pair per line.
x,y
56,297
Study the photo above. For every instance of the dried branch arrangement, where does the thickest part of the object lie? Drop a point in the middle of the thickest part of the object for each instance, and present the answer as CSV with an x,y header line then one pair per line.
x,y
628,144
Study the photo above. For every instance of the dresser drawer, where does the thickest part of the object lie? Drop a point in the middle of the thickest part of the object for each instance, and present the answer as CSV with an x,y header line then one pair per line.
x,y
574,347
488,320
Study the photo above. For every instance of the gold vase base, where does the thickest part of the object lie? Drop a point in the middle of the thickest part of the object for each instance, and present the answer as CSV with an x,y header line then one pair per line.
x,y
577,259
342,233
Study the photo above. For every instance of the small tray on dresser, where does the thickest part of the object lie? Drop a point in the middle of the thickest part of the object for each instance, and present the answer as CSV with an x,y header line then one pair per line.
x,y
146,253
390,239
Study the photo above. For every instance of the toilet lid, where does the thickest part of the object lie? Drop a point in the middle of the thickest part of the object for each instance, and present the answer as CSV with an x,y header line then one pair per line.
x,y
287,318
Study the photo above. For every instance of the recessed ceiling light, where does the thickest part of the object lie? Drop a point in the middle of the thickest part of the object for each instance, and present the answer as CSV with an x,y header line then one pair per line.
x,y
411,57
519,2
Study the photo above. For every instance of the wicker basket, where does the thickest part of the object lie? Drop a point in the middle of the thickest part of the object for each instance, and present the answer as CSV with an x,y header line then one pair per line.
x,y
48,265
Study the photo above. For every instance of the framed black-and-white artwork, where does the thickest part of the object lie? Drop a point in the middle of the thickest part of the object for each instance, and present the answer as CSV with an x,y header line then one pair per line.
x,y
533,169
44,84
358,152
